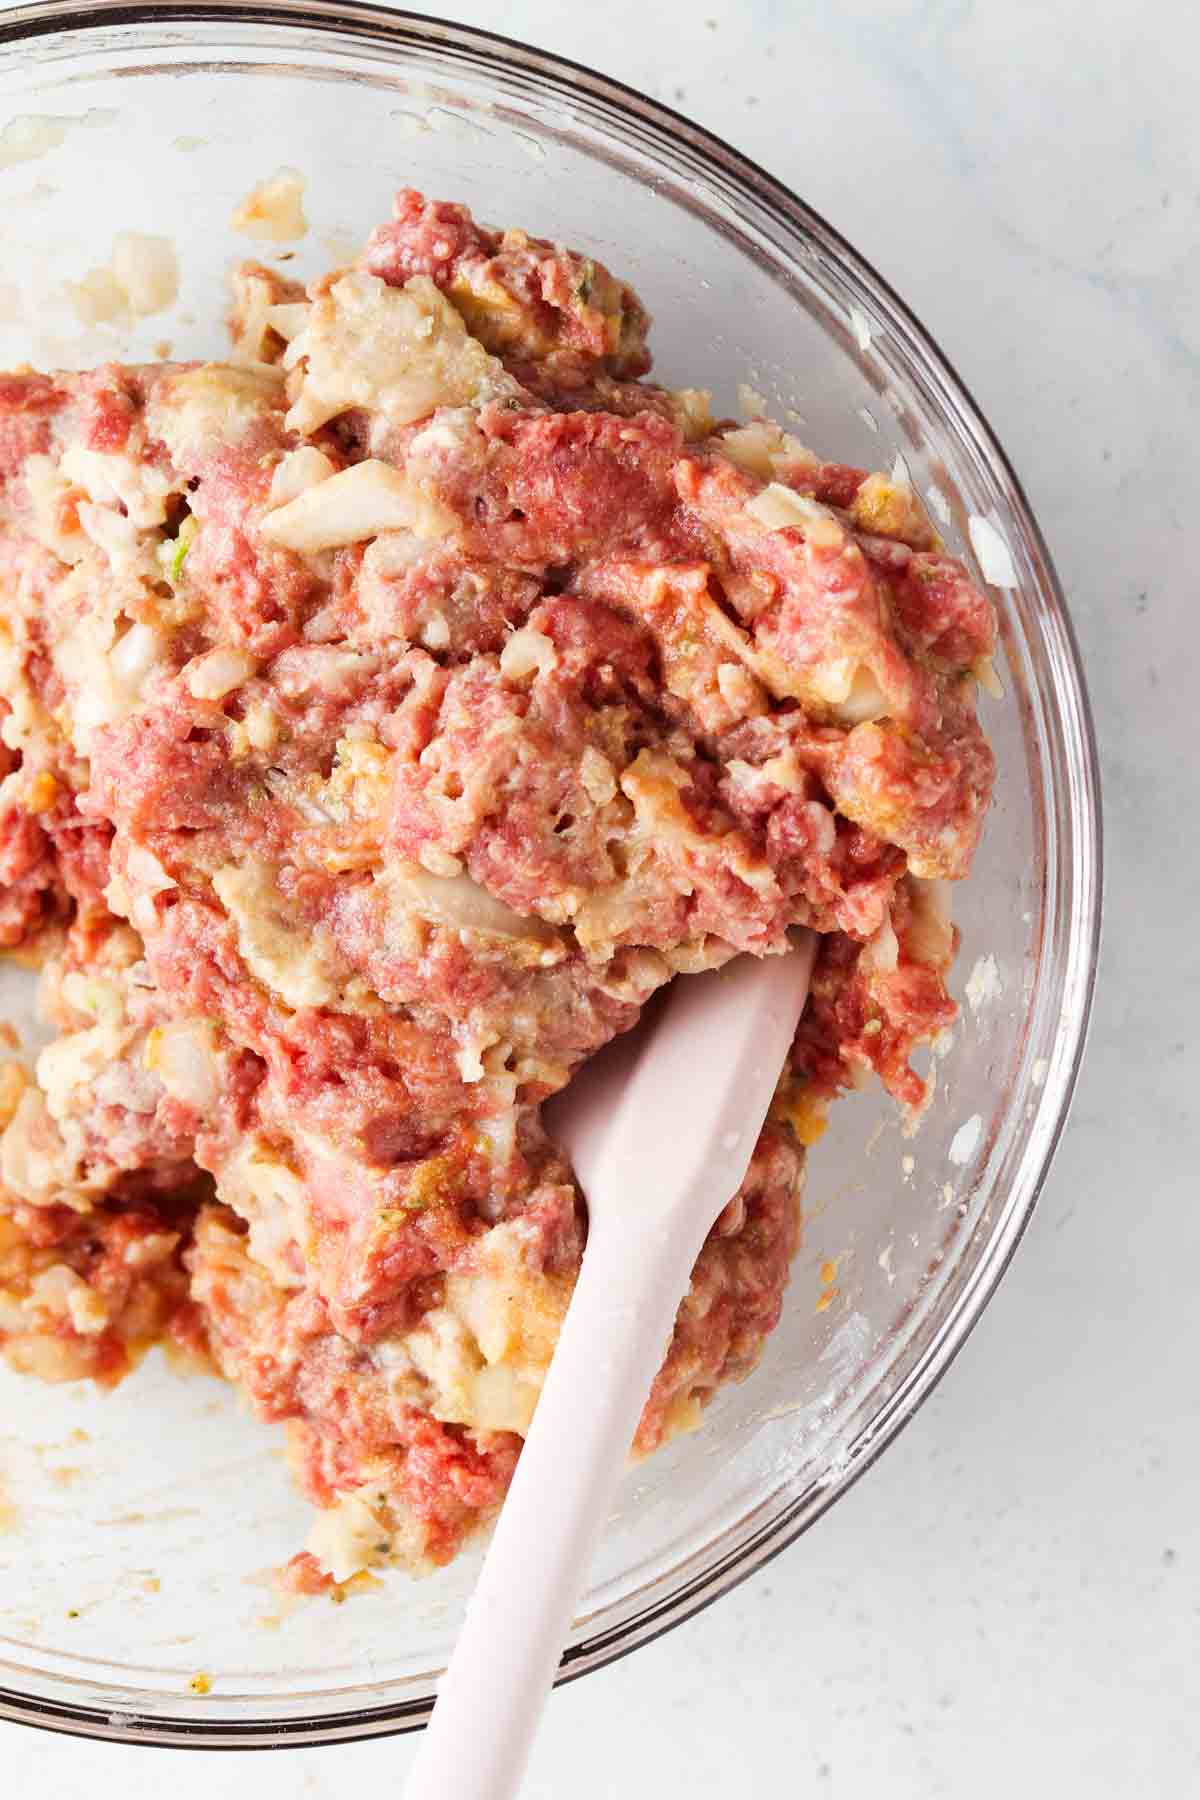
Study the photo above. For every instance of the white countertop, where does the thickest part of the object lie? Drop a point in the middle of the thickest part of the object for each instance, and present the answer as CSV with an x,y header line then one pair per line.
x,y
1011,1598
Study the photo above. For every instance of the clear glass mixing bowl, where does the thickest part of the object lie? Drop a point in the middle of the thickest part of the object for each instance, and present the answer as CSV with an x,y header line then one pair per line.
x,y
140,1526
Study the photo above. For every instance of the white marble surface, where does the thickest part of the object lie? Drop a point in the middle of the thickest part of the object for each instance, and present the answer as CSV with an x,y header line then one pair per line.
x,y
1011,1599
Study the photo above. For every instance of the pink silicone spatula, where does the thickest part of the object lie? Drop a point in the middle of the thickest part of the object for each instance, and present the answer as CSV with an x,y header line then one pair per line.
x,y
661,1129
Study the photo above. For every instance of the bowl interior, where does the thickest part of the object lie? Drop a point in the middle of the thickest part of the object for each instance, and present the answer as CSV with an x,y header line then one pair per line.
x,y
138,1529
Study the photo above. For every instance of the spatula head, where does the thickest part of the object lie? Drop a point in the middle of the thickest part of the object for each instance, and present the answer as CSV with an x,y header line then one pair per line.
x,y
668,1114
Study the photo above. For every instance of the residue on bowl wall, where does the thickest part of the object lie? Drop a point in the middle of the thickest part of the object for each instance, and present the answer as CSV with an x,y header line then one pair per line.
x,y
860,325
274,210
65,1475
410,125
145,270
530,145
31,198
846,1349
983,983
31,135
965,1141
341,247
830,1291
141,278
456,123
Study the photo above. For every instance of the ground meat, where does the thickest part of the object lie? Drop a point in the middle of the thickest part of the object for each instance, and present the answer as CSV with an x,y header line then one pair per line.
x,y
98,1123
31,889
737,1290
521,296
384,717
26,404
349,1429
86,1296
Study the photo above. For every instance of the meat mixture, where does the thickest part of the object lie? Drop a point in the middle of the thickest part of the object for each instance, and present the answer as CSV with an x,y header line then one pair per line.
x,y
384,715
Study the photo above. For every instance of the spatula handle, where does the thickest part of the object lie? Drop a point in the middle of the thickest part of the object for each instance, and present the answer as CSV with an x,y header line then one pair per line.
x,y
663,1142
616,1329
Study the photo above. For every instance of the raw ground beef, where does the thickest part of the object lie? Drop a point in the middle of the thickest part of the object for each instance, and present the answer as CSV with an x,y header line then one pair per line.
x,y
384,716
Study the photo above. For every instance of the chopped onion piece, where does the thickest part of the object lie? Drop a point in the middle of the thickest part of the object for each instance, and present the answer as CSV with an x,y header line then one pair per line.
x,y
994,556
984,671
300,469
881,953
403,352
359,503
213,676
435,633
345,1539
288,318
778,507
147,871
966,1141
930,930
462,904
865,700
133,656
527,652
183,1056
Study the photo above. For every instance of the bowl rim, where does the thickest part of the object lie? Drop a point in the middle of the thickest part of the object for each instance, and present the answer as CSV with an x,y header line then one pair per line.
x,y
391,29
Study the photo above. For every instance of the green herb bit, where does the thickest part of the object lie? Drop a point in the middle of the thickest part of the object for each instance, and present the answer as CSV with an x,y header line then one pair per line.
x,y
183,543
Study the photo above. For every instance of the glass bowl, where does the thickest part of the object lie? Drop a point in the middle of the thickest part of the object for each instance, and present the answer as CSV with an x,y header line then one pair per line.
x,y
141,1526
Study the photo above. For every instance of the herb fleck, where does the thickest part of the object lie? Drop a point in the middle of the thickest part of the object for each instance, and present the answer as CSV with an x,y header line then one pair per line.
x,y
183,543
